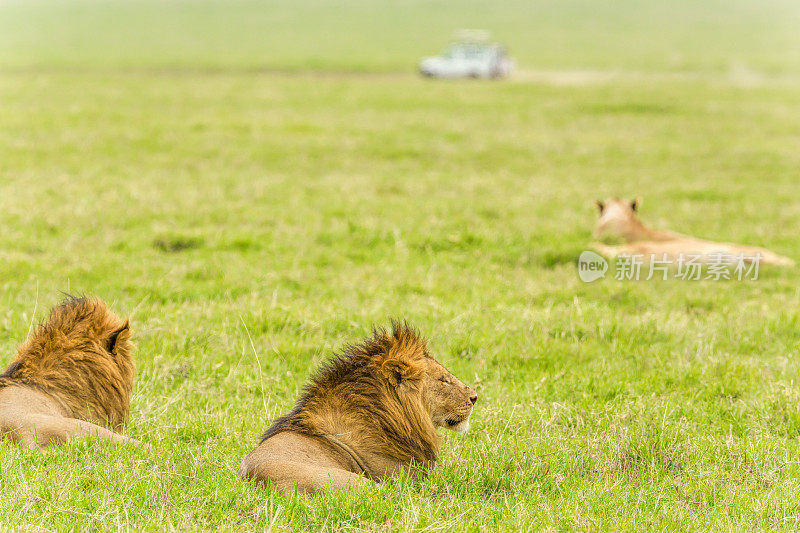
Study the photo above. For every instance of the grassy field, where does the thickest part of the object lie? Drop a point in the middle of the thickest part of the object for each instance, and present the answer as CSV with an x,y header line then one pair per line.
x,y
224,170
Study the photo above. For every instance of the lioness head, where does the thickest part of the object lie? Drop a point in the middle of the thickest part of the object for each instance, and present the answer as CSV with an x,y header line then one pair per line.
x,y
618,219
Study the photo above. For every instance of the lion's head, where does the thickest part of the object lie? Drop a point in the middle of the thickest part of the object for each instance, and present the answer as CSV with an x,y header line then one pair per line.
x,y
385,393
405,362
618,220
80,355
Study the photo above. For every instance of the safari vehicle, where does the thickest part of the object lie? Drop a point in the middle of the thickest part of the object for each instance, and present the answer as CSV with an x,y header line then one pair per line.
x,y
472,56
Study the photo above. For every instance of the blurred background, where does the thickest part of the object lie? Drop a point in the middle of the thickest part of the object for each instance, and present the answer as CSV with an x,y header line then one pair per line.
x,y
376,36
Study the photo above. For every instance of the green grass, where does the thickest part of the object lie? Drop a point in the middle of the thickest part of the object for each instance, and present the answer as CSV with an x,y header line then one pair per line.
x,y
181,178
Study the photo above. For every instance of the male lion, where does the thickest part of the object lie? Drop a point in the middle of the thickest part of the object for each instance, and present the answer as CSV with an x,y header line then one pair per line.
x,y
618,221
367,413
70,378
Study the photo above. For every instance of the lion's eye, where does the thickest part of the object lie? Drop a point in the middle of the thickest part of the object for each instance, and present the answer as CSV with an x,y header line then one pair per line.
x,y
444,381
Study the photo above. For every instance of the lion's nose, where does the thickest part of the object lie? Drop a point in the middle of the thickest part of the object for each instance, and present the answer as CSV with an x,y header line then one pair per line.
x,y
473,398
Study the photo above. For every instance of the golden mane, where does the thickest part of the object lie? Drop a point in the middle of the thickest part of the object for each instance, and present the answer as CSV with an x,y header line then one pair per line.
x,y
370,391
81,357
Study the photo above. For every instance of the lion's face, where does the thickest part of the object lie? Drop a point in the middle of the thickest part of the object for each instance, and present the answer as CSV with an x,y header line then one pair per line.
x,y
450,401
617,219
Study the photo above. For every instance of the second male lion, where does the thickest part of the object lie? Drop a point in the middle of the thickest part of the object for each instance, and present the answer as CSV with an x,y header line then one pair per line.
x,y
366,414
72,378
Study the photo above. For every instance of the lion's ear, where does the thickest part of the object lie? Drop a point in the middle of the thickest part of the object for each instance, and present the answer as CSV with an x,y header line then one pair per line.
x,y
635,203
400,369
400,354
600,205
119,339
395,371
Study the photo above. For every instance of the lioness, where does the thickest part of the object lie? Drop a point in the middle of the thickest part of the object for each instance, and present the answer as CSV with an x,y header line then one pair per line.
x,y
618,220
366,413
70,378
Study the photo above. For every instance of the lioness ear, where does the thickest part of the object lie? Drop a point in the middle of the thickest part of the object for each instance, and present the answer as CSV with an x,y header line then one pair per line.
x,y
635,203
600,206
118,338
